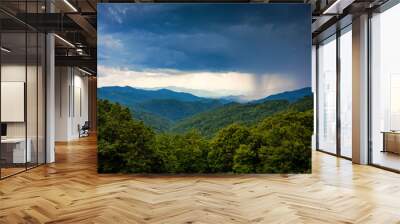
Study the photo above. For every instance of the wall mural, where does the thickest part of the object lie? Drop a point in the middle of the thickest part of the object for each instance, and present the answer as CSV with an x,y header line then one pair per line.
x,y
204,88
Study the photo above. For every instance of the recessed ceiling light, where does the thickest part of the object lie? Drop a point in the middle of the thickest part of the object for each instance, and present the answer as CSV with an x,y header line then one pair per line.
x,y
70,5
5,50
64,40
86,72
337,7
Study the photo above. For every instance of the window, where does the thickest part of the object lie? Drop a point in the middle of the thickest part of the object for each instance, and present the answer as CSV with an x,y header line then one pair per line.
x,y
346,92
385,89
327,95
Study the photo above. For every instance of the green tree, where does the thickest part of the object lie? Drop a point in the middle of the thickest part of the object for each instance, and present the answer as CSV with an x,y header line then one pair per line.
x,y
224,145
287,143
124,145
183,153
244,160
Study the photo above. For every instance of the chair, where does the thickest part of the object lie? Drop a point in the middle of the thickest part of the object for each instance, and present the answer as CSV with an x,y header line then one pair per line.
x,y
84,130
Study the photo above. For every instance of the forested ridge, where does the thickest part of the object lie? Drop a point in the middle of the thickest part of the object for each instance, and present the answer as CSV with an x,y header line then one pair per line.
x,y
209,122
166,111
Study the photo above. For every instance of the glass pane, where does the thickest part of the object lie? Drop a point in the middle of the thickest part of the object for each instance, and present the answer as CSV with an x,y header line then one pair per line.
x,y
327,96
13,86
385,93
346,93
23,90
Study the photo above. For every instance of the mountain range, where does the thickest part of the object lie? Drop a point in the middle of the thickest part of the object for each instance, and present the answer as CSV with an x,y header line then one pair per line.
x,y
167,110
129,95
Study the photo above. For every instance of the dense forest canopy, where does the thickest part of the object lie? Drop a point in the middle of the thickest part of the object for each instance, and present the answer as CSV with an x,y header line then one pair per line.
x,y
268,137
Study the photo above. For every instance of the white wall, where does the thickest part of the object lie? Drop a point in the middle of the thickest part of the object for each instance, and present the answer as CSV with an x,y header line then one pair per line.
x,y
71,102
14,73
62,82
33,126
80,104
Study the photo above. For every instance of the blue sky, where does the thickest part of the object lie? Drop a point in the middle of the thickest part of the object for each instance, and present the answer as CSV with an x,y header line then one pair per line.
x,y
252,50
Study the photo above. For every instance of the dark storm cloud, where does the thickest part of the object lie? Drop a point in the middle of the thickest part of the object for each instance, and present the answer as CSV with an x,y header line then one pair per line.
x,y
249,38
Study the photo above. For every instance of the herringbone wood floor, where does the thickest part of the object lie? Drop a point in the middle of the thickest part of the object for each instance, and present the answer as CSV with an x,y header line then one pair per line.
x,y
70,191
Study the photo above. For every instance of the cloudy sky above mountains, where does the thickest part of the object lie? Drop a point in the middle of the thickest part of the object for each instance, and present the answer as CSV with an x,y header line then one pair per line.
x,y
211,50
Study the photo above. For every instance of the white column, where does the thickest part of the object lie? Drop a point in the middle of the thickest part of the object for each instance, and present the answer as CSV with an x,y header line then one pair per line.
x,y
360,90
50,99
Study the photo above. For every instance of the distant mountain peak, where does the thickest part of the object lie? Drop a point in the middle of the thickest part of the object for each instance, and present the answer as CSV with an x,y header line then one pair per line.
x,y
290,96
139,94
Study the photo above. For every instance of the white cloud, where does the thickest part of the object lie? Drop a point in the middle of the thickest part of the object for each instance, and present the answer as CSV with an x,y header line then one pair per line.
x,y
117,13
208,84
110,41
